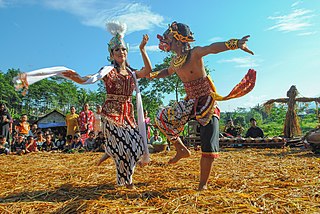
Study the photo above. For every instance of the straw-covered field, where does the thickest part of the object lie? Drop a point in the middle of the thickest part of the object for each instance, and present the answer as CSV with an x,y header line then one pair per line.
x,y
242,181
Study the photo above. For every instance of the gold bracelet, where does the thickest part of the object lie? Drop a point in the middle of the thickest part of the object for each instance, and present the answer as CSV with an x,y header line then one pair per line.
x,y
232,44
154,74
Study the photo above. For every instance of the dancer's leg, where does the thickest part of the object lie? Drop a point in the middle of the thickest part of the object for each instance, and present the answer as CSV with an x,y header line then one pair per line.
x,y
205,169
103,158
209,135
181,149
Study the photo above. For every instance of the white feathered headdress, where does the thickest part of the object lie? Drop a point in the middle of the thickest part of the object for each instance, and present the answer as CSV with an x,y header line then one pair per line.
x,y
117,29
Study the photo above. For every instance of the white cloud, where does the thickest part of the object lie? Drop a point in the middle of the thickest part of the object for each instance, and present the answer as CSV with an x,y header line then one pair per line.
x,y
296,3
242,62
150,48
307,33
297,20
95,13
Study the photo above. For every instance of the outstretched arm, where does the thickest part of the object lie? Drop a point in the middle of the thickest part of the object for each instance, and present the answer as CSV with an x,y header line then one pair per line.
x,y
147,64
162,73
75,77
218,47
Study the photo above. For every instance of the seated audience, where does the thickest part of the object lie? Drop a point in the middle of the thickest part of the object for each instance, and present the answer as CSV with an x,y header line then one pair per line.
x,y
4,145
89,143
31,145
230,130
19,146
254,131
39,140
100,143
48,145
155,139
60,142
77,143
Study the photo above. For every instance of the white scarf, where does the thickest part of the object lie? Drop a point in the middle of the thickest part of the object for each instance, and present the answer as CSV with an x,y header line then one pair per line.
x,y
25,79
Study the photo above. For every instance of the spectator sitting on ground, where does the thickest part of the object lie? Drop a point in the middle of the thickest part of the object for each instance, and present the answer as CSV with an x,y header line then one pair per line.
x,y
4,145
48,145
19,146
230,129
155,139
68,144
31,145
33,130
100,143
77,143
15,136
89,143
40,140
254,131
60,142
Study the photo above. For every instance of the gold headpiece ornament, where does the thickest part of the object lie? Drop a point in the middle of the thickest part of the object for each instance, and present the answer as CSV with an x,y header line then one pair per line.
x,y
173,28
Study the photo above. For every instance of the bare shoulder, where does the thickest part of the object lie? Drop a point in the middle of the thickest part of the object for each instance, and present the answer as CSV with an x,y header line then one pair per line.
x,y
198,51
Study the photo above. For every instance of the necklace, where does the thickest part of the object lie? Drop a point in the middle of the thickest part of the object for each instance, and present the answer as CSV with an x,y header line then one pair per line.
x,y
178,61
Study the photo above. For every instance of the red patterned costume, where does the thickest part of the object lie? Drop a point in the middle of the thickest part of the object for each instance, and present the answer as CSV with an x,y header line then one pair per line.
x,y
118,106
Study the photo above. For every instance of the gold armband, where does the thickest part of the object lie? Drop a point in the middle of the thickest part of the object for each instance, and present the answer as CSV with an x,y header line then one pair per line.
x,y
232,44
154,74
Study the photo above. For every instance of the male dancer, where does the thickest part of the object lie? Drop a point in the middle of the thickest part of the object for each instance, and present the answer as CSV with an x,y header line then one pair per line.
x,y
200,103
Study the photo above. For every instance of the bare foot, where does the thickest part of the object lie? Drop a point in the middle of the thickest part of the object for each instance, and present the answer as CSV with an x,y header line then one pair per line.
x,y
182,153
103,158
130,186
202,187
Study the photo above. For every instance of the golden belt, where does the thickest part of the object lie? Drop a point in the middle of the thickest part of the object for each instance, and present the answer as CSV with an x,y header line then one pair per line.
x,y
118,97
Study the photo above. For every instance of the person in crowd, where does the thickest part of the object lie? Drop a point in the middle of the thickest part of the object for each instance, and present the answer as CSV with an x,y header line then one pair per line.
x,y
72,121
60,142
100,143
254,131
40,140
230,129
33,130
48,145
85,120
4,145
69,142
5,122
200,102
97,123
19,147
23,127
155,139
14,139
77,144
89,143
31,145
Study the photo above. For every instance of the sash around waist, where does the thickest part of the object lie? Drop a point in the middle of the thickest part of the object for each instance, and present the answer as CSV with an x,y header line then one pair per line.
x,y
118,97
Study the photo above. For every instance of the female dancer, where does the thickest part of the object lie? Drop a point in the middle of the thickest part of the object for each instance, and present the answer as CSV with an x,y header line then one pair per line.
x,y
126,143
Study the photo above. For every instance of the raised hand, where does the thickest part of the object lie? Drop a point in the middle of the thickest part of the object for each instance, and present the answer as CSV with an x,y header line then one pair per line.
x,y
242,44
144,41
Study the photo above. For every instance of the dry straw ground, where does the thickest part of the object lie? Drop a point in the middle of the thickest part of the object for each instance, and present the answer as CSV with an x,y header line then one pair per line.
x,y
242,181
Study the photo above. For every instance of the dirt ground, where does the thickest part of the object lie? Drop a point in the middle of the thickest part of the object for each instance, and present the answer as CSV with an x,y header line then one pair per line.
x,y
242,181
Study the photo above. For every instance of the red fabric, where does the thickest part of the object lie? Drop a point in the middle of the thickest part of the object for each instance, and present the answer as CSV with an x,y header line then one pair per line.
x,y
245,86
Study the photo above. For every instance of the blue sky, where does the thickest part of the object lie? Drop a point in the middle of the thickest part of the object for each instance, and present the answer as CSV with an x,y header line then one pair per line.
x,y
284,37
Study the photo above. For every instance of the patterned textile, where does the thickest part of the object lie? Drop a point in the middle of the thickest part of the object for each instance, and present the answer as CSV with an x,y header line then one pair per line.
x,y
86,121
124,145
118,106
199,103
